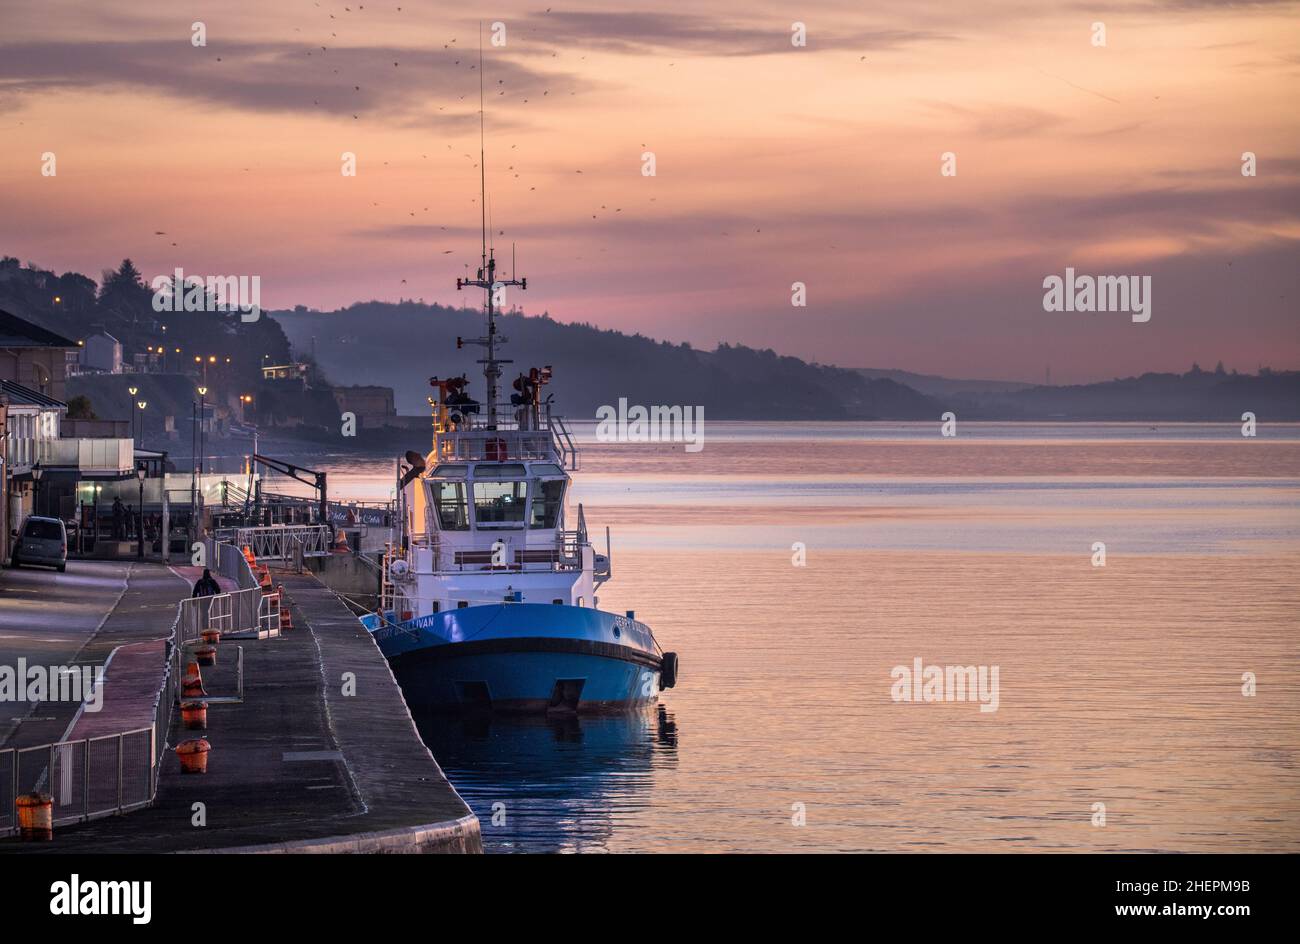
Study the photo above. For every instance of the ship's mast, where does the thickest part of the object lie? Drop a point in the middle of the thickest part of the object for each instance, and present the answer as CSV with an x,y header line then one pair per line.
x,y
487,277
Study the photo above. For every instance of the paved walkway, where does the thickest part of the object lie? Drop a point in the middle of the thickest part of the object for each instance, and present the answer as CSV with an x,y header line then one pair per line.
x,y
77,619
321,756
132,679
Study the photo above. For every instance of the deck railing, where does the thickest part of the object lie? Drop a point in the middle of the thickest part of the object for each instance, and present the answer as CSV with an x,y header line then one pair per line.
x,y
478,437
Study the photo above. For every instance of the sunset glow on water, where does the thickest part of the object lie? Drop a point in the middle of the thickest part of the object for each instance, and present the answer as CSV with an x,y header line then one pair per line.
x,y
1118,684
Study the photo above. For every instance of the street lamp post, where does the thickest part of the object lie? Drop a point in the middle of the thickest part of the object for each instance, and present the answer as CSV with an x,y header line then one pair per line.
x,y
139,551
37,472
133,391
194,467
141,404
203,394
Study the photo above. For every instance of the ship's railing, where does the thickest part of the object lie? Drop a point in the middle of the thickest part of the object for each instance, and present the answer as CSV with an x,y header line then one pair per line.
x,y
565,556
508,417
562,442
514,432
497,445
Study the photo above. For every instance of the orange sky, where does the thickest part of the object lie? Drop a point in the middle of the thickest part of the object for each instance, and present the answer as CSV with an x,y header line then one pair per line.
x,y
775,164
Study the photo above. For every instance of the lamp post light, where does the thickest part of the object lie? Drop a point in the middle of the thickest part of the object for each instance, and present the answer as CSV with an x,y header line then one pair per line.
x,y
203,394
139,552
37,472
133,391
141,404
195,515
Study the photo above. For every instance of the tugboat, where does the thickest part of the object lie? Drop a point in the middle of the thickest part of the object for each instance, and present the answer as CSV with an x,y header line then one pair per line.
x,y
488,600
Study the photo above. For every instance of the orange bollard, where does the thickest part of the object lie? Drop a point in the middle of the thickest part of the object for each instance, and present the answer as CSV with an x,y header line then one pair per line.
x,y
341,544
211,637
194,755
194,714
207,655
250,556
265,580
192,684
35,816
286,616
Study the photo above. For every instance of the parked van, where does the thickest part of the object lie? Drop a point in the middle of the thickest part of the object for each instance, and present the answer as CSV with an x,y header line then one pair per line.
x,y
41,541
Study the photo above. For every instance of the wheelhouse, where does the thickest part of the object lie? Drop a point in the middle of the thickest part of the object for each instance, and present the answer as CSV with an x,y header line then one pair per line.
x,y
495,496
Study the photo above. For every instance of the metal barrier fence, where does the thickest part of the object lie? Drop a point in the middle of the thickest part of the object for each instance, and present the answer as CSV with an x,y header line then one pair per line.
x,y
228,561
268,614
280,543
117,773
93,777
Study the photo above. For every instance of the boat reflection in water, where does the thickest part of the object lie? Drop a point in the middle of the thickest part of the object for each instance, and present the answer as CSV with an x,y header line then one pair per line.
x,y
562,781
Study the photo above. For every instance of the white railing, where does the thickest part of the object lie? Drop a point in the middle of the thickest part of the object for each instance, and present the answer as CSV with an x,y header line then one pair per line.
x,y
117,773
496,445
93,777
88,455
268,614
221,615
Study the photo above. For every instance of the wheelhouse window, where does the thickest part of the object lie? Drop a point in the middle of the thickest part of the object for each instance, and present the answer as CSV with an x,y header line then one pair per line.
x,y
500,504
451,505
548,499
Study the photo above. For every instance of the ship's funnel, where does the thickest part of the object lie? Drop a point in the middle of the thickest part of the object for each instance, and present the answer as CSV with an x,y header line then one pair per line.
x,y
416,463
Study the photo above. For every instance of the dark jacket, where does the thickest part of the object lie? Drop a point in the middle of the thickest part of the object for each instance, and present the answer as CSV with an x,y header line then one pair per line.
x,y
206,587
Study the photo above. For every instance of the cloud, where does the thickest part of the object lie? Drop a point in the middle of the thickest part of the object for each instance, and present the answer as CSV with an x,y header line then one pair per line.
x,y
1001,121
273,77
646,33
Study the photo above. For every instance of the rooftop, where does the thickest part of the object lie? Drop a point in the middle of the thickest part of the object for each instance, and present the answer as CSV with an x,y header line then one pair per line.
x,y
17,393
15,332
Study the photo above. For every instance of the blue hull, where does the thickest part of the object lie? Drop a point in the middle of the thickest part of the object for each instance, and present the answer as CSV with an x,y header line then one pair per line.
x,y
523,657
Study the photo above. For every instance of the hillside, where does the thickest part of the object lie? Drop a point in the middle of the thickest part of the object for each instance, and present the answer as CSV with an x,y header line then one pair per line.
x,y
403,345
1196,395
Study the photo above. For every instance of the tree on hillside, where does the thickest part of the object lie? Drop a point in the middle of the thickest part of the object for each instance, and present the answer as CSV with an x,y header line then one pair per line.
x,y
124,291
79,408
76,293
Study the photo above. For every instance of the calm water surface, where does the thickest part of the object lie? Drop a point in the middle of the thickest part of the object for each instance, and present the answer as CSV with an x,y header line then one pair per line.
x,y
1119,685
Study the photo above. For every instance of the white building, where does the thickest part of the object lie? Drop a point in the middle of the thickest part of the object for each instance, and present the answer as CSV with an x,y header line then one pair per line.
x,y
102,353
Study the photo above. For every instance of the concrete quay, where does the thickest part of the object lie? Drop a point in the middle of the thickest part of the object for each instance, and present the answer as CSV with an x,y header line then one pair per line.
x,y
321,756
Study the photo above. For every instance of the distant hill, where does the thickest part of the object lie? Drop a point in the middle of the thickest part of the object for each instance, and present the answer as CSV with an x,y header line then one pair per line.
x,y
934,386
403,345
1210,396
